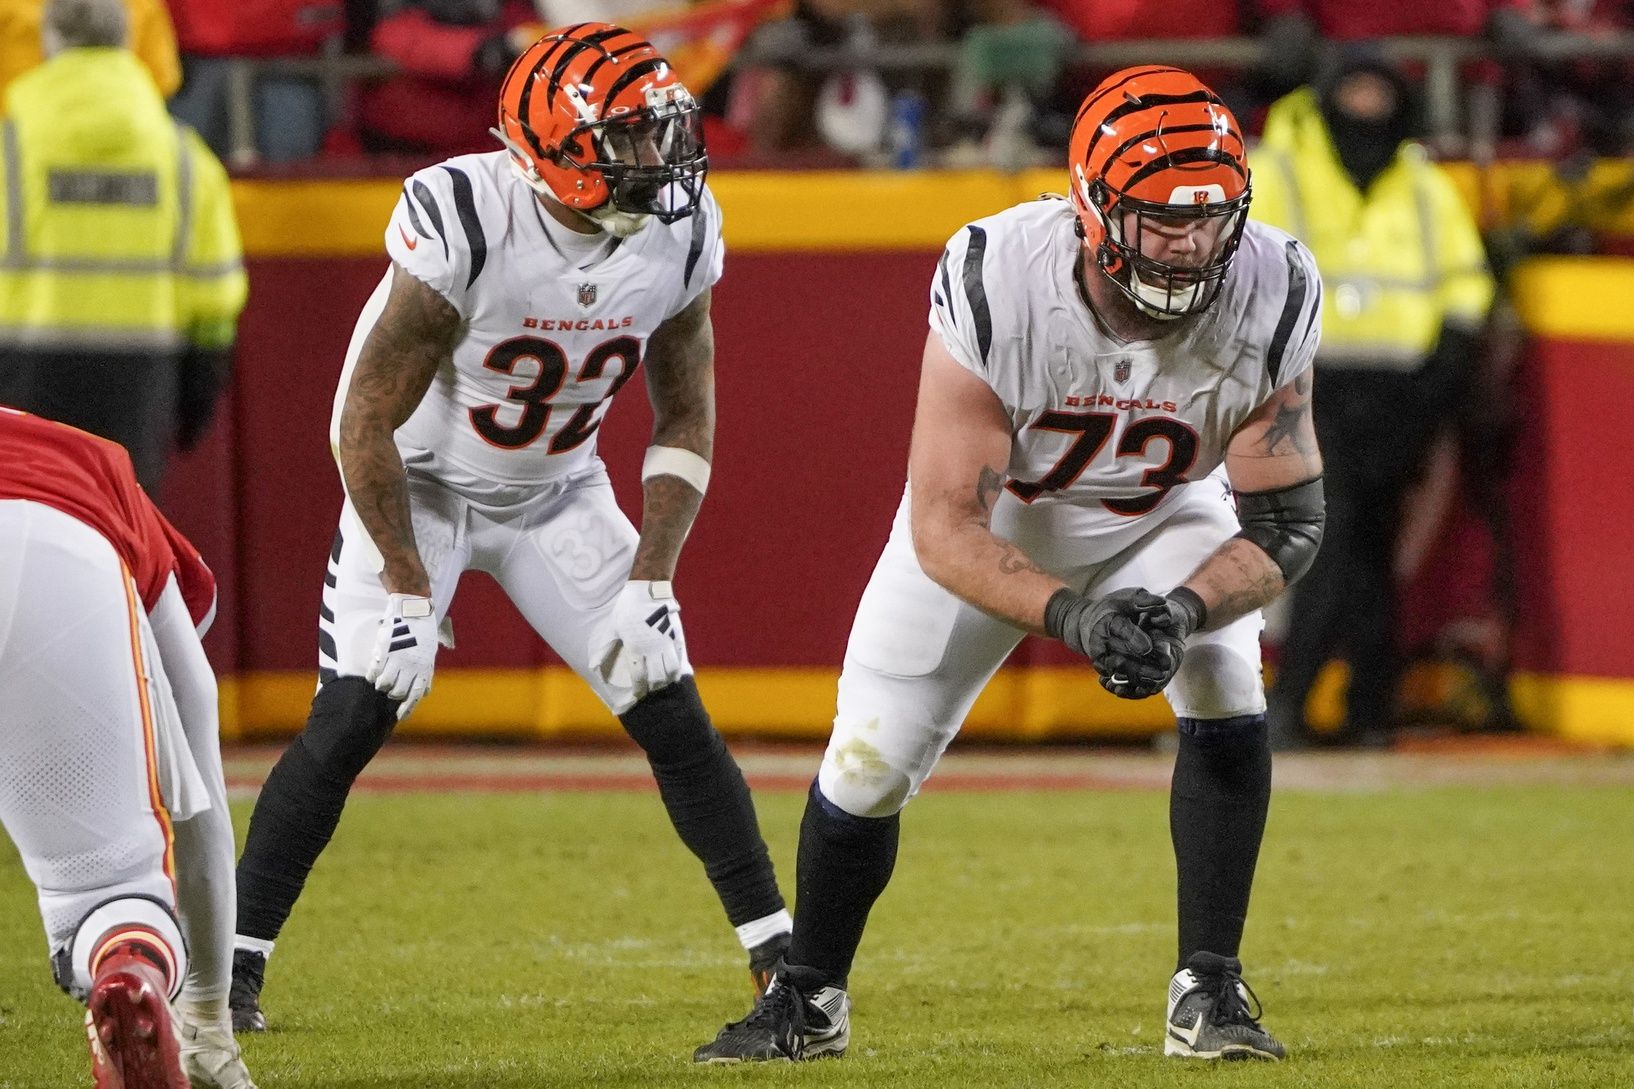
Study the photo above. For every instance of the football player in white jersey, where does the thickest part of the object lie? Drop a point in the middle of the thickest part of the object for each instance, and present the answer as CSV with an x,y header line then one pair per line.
x,y
1090,366
526,287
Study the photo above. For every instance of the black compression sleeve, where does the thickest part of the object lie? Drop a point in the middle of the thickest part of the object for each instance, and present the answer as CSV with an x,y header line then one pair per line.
x,y
1286,523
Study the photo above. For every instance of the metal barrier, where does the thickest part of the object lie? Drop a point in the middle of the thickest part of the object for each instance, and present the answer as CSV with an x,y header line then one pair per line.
x,y
1455,126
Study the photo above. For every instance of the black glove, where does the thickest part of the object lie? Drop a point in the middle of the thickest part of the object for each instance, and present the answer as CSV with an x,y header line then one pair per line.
x,y
1184,612
1125,635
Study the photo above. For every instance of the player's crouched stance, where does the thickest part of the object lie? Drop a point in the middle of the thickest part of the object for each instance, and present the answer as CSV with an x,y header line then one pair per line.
x,y
527,286
109,757
1089,368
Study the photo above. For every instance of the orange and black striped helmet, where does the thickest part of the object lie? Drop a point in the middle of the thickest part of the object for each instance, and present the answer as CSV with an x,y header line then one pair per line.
x,y
595,118
1155,154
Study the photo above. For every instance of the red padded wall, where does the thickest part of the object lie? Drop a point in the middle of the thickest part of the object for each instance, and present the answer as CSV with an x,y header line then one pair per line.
x,y
817,368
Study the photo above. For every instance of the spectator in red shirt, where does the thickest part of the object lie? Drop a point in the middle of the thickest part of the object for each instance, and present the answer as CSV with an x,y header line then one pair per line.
x,y
290,112
451,55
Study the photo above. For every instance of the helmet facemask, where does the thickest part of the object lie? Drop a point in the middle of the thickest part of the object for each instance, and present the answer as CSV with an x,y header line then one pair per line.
x,y
650,162
1133,228
654,161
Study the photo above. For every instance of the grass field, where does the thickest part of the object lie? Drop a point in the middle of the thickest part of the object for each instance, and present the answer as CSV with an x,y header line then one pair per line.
x,y
1418,922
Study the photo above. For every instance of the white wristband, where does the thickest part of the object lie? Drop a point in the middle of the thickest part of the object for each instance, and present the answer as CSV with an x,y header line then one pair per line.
x,y
673,461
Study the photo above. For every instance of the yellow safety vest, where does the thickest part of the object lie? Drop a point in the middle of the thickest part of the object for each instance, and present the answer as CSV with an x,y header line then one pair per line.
x,y
1396,262
119,228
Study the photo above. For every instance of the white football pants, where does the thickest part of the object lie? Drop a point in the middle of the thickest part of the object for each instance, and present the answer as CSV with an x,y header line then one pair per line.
x,y
561,557
919,656
110,767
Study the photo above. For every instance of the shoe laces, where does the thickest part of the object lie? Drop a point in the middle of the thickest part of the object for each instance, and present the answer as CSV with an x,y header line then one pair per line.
x,y
781,1005
1230,1007
249,973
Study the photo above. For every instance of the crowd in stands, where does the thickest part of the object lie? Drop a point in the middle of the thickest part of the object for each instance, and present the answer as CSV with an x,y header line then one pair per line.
x,y
952,82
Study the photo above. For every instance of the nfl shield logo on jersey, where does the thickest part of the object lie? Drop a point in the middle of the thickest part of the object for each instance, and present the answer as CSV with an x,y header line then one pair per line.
x,y
1120,373
587,295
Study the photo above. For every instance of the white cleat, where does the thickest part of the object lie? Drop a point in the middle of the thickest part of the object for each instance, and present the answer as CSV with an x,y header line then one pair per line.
x,y
1209,1016
211,1058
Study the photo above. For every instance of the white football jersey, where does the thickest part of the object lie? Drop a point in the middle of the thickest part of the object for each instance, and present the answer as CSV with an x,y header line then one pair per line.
x,y
555,323
1110,427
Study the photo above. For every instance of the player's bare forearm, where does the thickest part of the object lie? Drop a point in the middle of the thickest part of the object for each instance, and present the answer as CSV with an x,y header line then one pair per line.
x,y
958,549
1274,449
669,506
414,334
956,471
1237,579
681,386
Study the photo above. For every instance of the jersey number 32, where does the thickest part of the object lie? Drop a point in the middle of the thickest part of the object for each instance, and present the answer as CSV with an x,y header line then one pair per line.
x,y
535,397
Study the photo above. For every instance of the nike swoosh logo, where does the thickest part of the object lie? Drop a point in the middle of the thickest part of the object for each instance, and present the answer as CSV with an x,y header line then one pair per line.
x,y
407,240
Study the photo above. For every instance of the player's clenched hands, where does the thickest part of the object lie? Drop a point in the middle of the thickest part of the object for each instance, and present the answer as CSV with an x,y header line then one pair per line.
x,y
405,650
643,648
1134,638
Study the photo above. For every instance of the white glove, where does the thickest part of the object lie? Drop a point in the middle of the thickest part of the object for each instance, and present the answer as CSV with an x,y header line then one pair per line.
x,y
643,649
405,650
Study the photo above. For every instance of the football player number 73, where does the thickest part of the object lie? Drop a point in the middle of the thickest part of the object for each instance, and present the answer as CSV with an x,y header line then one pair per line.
x,y
1093,429
534,398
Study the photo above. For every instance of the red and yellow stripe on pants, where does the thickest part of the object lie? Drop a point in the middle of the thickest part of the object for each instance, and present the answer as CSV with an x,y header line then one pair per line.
x,y
150,741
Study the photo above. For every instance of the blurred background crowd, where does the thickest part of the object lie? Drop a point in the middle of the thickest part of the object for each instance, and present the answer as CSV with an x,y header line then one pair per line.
x,y
868,82
1353,104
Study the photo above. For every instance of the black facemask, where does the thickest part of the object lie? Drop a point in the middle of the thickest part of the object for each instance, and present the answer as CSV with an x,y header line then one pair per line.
x,y
1367,146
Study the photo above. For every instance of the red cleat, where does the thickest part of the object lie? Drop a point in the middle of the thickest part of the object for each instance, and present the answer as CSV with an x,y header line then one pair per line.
x,y
129,1027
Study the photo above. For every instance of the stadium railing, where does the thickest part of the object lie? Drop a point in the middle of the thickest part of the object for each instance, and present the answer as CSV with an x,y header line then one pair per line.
x,y
1461,118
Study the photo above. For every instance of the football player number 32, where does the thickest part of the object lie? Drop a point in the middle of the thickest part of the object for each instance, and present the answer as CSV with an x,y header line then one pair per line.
x,y
1093,429
535,397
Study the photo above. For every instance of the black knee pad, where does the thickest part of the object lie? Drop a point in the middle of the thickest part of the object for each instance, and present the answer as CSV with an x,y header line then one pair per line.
x,y
349,722
671,724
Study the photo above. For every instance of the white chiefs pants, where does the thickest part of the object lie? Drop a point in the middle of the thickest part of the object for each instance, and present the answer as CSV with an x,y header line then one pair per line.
x,y
919,656
561,556
110,775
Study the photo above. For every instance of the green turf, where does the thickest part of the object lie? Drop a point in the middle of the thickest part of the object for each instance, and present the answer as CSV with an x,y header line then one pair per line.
x,y
1469,938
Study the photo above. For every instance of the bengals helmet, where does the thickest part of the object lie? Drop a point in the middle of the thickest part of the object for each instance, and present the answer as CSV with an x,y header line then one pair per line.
x,y
597,120
1156,156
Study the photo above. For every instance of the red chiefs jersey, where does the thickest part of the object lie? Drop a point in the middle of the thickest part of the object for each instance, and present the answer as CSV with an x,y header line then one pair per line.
x,y
91,479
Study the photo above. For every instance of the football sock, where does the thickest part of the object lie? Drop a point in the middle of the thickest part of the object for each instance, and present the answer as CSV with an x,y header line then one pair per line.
x,y
1217,806
845,863
757,932
707,800
301,801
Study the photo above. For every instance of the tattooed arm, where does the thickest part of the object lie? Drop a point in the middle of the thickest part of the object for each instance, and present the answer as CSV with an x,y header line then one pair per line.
x,y
681,385
956,469
1274,450
414,334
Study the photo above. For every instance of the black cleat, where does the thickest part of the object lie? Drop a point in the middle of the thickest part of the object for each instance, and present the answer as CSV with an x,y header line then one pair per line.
x,y
786,1025
763,960
244,999
1209,1015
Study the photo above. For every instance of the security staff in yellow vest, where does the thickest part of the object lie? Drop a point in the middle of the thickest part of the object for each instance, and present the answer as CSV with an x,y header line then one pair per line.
x,y
121,278
1406,291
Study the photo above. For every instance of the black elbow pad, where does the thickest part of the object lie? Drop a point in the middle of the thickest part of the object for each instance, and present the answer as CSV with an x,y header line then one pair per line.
x,y
1286,523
